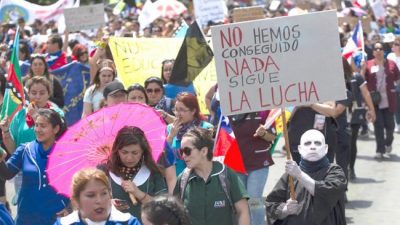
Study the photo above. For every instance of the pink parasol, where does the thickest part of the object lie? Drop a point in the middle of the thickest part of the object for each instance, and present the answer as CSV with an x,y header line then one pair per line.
x,y
169,8
89,141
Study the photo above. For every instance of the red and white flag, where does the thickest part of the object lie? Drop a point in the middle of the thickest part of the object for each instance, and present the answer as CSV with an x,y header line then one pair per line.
x,y
355,42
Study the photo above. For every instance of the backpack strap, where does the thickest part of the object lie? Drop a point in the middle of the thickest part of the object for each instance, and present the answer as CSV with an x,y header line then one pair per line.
x,y
225,183
223,179
184,181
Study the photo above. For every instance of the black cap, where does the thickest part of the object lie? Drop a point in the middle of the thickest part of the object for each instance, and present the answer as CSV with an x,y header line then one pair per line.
x,y
112,88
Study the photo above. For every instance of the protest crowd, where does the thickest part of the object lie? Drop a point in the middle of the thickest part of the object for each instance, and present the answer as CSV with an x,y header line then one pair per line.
x,y
54,78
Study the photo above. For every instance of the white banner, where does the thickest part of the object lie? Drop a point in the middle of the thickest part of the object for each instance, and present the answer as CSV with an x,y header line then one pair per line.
x,y
272,63
84,18
11,10
209,10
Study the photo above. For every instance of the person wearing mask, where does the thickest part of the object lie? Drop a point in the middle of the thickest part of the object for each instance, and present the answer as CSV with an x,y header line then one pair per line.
x,y
319,186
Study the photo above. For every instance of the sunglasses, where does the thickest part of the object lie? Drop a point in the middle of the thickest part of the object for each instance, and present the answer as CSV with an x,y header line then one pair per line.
x,y
155,90
186,150
83,53
396,44
378,49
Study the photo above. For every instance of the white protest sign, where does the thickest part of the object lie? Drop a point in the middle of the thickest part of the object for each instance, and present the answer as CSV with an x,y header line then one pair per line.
x,y
209,10
85,17
378,9
272,63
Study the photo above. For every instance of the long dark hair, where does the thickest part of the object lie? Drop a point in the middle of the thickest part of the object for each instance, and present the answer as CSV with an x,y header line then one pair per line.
x,y
201,138
130,135
46,67
138,87
166,209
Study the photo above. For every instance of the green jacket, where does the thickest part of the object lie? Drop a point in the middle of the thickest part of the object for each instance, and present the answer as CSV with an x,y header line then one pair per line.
x,y
206,201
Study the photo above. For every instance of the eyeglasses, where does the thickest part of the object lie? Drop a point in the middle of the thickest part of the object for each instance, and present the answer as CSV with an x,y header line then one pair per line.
x,y
378,49
186,150
180,110
155,90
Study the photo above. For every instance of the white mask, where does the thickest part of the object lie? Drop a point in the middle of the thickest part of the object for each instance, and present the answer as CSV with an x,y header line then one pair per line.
x,y
312,145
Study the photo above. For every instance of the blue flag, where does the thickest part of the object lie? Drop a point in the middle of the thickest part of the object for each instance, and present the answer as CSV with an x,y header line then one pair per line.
x,y
75,79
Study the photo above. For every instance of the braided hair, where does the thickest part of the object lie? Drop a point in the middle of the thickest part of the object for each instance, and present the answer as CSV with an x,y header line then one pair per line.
x,y
166,209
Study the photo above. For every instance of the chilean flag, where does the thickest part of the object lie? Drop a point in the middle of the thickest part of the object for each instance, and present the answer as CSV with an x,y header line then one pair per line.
x,y
355,42
226,148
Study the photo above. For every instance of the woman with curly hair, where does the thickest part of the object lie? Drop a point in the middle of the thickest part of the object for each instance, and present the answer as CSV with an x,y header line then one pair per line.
x,y
164,209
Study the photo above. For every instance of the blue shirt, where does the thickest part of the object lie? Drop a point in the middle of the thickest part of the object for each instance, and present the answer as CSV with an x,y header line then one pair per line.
x,y
38,202
116,218
171,90
5,217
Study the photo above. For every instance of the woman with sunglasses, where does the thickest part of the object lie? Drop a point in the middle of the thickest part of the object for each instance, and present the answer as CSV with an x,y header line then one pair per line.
x,y
187,112
204,194
381,76
39,67
94,94
155,92
38,203
172,90
135,177
80,53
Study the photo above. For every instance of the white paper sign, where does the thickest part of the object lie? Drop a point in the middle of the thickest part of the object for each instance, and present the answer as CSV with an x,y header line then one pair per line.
x,y
378,8
272,63
209,10
85,17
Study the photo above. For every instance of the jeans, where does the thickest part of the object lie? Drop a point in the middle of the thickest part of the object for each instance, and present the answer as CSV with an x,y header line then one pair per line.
x,y
383,126
254,183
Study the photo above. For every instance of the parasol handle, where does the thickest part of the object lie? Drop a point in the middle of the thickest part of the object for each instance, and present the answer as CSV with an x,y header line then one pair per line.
x,y
133,199
288,155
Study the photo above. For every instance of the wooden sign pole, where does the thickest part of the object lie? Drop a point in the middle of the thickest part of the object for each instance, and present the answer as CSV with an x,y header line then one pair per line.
x,y
288,155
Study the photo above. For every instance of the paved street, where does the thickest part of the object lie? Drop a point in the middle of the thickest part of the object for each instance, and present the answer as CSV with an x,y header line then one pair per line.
x,y
374,196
